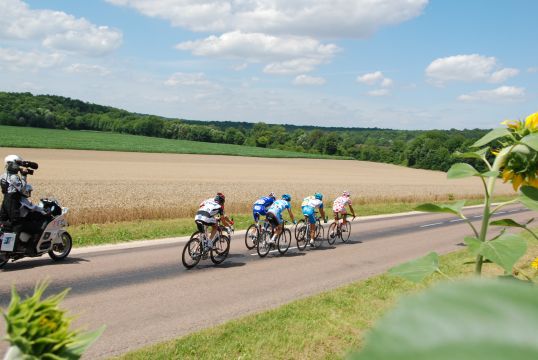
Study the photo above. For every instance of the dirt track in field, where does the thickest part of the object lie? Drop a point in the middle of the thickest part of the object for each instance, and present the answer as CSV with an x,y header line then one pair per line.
x,y
102,186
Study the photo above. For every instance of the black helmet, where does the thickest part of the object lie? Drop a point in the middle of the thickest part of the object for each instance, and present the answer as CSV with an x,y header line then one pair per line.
x,y
220,198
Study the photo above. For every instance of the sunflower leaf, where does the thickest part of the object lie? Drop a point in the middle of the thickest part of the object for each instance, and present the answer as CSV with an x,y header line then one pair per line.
x,y
461,170
492,135
417,270
531,141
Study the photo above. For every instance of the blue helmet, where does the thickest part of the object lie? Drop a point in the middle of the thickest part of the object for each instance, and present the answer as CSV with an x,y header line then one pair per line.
x,y
286,197
318,196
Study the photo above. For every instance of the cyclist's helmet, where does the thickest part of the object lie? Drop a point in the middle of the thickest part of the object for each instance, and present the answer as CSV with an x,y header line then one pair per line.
x,y
318,196
286,197
346,193
272,195
220,198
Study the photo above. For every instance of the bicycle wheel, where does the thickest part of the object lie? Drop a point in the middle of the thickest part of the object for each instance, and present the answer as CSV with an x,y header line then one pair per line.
x,y
251,236
263,247
297,227
301,237
319,228
318,240
192,252
331,234
345,231
221,248
284,241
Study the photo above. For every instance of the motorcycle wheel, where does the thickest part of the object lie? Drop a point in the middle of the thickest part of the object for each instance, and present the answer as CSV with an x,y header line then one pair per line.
x,y
60,251
4,258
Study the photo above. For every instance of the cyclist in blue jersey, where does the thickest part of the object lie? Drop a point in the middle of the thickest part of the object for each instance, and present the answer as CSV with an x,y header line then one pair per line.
x,y
309,206
261,205
274,215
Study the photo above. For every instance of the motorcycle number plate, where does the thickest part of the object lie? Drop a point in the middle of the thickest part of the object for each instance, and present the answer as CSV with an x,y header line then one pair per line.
x,y
8,242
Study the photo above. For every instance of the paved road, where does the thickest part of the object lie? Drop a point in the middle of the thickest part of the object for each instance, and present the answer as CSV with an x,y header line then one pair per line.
x,y
144,295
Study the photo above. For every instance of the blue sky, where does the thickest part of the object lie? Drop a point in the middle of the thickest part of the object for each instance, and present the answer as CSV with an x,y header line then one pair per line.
x,y
406,64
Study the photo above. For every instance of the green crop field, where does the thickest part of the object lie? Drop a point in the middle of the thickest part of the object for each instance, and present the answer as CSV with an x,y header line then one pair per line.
x,y
26,137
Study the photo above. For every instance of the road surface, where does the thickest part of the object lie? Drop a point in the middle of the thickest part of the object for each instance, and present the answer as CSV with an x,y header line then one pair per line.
x,y
144,295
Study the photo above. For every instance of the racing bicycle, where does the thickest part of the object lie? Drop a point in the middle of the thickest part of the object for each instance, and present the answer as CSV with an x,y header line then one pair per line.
x,y
282,243
302,233
200,247
340,230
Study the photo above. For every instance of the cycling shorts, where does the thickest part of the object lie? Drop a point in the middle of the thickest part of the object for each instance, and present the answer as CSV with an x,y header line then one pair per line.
x,y
273,219
258,210
309,211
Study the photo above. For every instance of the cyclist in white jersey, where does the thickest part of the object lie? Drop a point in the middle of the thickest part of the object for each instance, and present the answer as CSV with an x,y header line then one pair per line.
x,y
206,214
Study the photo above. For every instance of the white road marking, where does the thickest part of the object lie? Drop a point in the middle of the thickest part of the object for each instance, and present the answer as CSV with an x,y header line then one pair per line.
x,y
272,251
501,212
427,225
477,216
513,210
456,220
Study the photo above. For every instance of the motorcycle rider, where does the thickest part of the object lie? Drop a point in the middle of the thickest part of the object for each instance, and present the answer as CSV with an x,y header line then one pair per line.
x,y
13,188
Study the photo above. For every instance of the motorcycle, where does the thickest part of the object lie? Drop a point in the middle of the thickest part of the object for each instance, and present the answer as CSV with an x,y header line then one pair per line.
x,y
54,239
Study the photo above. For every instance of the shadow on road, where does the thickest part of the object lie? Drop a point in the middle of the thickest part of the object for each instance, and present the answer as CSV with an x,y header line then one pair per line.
x,y
24,264
224,265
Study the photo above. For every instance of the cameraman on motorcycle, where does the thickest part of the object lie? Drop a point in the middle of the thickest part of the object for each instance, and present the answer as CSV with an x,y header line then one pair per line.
x,y
13,188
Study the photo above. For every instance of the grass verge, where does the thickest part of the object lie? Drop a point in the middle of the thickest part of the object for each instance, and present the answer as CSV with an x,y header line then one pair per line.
x,y
112,233
325,326
27,137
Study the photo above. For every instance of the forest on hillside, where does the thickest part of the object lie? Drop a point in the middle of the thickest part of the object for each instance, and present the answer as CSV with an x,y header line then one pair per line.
x,y
431,149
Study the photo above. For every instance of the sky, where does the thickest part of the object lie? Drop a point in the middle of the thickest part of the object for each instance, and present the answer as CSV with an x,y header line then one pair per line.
x,y
401,64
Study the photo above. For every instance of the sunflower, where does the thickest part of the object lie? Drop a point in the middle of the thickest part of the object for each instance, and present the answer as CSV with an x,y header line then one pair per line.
x,y
531,122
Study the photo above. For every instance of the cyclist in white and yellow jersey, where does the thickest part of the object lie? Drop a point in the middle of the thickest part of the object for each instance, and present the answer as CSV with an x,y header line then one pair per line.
x,y
309,206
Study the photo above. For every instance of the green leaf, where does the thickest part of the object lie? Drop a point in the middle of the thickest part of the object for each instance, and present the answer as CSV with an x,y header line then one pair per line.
x,y
504,251
461,170
476,319
479,154
508,222
447,208
473,244
529,197
492,135
531,141
417,270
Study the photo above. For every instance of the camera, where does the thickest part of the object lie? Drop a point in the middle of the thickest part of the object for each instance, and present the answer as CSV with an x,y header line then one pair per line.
x,y
27,167
27,164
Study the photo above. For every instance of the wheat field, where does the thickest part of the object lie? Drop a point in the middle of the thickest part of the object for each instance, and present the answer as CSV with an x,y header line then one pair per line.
x,y
100,186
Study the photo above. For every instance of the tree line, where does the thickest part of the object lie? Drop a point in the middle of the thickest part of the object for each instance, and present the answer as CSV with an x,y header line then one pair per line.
x,y
414,148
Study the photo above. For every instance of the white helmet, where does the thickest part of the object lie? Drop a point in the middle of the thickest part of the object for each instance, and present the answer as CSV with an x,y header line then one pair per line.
x,y
12,158
346,194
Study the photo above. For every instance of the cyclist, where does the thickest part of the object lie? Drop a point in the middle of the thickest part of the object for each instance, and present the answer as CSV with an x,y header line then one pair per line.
x,y
261,205
339,207
206,215
309,206
274,215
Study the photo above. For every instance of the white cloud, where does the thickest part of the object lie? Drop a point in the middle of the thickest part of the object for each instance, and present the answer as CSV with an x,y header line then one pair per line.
x,y
33,60
285,54
308,80
468,68
506,93
87,69
379,92
376,78
532,70
56,29
188,79
320,18
502,75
